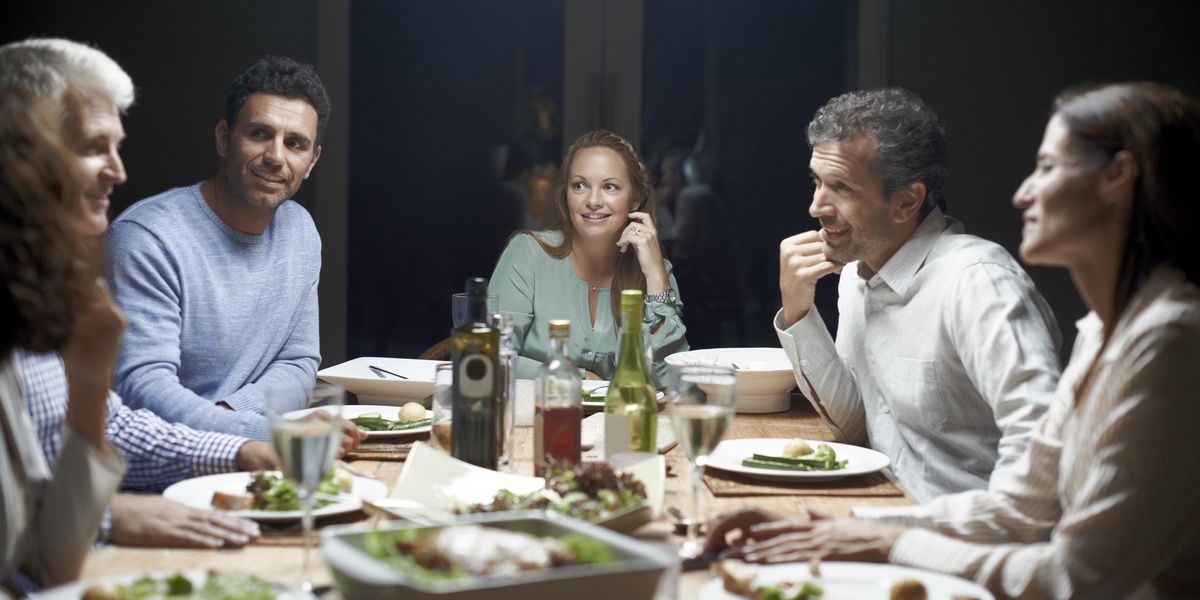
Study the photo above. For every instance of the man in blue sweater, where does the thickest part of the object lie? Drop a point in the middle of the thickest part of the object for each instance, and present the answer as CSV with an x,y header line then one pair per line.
x,y
219,279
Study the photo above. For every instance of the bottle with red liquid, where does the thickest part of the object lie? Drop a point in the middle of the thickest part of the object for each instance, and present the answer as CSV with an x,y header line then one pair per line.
x,y
559,404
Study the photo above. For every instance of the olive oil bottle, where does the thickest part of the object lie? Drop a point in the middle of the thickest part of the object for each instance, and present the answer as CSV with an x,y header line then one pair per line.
x,y
475,355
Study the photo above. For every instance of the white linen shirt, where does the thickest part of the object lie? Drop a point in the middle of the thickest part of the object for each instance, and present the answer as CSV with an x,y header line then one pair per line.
x,y
944,360
1106,502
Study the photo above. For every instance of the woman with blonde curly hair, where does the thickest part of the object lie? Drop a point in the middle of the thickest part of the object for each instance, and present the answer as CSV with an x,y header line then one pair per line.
x,y
601,240
50,299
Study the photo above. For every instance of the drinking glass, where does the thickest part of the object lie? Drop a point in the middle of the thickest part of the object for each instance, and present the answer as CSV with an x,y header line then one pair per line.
x,y
702,404
508,404
306,446
459,311
443,402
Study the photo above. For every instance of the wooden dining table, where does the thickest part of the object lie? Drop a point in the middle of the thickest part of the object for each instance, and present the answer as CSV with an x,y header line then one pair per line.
x,y
280,562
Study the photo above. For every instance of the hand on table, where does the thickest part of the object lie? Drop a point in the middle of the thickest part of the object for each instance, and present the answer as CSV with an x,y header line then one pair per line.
x,y
153,521
802,262
802,539
727,529
352,436
256,456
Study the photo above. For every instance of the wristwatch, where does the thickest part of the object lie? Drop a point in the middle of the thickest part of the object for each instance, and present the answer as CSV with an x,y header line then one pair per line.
x,y
667,297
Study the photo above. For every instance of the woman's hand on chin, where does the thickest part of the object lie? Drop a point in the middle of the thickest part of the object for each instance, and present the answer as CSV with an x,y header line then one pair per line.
x,y
641,234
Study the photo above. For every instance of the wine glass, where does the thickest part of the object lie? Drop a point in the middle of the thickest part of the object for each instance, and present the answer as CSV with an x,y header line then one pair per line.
x,y
443,407
306,446
459,307
702,404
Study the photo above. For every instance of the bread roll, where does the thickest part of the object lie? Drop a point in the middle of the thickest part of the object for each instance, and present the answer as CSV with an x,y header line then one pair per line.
x,y
232,500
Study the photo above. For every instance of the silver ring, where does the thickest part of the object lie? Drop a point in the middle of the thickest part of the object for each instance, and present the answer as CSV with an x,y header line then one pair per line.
x,y
637,232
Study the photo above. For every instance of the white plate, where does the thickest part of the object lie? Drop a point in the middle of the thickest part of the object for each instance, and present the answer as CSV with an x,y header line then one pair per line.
x,y
351,411
856,581
729,455
590,385
75,589
198,492
357,377
433,479
764,375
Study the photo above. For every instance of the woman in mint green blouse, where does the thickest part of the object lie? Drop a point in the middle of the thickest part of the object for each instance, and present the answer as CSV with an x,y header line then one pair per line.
x,y
601,240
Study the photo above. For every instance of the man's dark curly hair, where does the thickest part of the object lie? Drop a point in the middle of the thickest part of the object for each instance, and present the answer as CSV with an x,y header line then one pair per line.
x,y
279,76
911,140
47,262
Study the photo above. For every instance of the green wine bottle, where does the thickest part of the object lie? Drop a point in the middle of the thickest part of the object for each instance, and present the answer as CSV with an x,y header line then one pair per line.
x,y
630,409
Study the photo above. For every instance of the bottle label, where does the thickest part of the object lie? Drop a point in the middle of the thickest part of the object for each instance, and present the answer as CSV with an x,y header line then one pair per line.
x,y
616,434
476,376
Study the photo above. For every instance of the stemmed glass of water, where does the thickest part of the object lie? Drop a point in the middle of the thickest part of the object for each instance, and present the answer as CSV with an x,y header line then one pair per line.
x,y
306,446
702,406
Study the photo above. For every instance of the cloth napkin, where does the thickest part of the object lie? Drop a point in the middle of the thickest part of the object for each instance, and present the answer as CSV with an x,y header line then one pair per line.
x,y
591,436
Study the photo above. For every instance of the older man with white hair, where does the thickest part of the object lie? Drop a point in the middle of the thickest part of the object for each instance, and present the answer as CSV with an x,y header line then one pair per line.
x,y
92,91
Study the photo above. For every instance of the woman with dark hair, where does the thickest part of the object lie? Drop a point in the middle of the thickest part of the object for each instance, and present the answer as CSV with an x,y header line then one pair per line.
x,y
50,300
601,240
1105,503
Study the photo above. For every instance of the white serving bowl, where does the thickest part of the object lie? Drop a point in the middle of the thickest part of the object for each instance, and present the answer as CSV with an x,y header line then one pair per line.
x,y
375,388
764,375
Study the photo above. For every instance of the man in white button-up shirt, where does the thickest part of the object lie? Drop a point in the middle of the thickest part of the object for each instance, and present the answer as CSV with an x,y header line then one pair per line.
x,y
946,355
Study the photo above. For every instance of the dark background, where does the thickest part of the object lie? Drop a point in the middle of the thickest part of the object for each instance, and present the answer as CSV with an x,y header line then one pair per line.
x,y
434,86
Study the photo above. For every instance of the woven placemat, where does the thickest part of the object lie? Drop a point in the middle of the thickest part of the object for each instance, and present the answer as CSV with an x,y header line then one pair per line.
x,y
724,484
381,451
289,534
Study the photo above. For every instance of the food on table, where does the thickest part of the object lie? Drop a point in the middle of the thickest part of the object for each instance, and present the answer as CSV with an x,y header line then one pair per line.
x,y
797,447
217,586
738,578
232,500
907,589
589,491
465,550
411,411
344,480
596,394
823,459
411,416
272,491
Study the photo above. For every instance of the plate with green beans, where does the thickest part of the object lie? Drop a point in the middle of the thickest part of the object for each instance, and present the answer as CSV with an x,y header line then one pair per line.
x,y
780,459
382,421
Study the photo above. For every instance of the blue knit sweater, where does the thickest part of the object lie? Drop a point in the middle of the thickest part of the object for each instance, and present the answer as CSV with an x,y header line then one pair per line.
x,y
215,315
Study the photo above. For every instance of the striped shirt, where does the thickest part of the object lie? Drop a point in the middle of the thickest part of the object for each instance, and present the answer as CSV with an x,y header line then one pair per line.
x,y
944,360
1106,501
157,453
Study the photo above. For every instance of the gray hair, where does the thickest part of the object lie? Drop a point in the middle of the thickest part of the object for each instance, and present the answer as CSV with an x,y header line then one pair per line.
x,y
48,66
911,141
